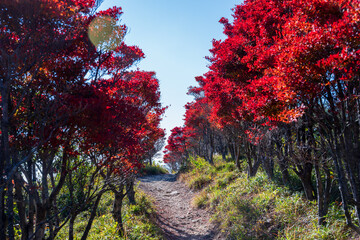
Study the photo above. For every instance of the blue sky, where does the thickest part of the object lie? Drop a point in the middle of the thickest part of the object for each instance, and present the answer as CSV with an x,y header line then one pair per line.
x,y
175,37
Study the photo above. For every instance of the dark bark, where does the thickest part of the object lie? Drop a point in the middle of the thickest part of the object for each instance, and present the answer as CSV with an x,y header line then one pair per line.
x,y
91,219
232,151
285,176
2,214
20,205
304,173
253,165
237,160
71,227
150,161
131,192
40,221
10,212
5,162
254,168
117,209
323,194
282,156
268,166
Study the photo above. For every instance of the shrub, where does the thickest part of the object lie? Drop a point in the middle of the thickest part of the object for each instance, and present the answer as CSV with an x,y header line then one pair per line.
x,y
153,170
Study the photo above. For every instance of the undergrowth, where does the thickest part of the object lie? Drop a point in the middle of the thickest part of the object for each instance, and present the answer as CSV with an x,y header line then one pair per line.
x,y
257,208
137,220
153,170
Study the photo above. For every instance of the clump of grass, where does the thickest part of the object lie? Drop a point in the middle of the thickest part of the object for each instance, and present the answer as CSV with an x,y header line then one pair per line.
x,y
225,179
153,170
200,200
199,182
257,208
139,219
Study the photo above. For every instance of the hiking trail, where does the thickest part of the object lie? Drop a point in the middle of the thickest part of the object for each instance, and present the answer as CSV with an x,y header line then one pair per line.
x,y
177,218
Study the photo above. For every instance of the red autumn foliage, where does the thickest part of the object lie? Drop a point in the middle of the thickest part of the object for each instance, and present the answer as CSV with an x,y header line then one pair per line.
x,y
68,101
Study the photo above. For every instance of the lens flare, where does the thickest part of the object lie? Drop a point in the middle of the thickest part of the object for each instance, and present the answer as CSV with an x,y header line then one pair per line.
x,y
105,33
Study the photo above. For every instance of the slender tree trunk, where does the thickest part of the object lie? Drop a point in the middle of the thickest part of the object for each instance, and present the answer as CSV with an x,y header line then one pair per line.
x,y
223,154
343,191
117,209
5,162
285,176
31,200
71,227
2,214
211,157
321,199
131,192
237,159
283,162
305,177
20,205
253,166
268,167
10,211
91,219
232,151
40,221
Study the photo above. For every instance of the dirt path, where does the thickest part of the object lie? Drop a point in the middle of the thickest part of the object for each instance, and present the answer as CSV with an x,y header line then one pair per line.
x,y
176,217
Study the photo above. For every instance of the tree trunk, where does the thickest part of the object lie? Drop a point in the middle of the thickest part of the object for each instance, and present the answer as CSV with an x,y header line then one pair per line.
x,y
5,162
2,213
268,166
305,176
91,219
322,200
117,211
283,162
20,205
40,221
10,211
71,227
232,151
131,192
285,176
237,161
252,166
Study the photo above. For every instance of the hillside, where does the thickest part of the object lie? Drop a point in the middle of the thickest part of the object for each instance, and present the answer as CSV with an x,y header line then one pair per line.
x,y
257,208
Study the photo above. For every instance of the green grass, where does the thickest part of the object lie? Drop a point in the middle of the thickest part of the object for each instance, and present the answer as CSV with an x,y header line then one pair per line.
x,y
258,208
153,170
137,219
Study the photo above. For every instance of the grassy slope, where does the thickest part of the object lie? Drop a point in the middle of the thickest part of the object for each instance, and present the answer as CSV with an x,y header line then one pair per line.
x,y
153,170
137,221
258,208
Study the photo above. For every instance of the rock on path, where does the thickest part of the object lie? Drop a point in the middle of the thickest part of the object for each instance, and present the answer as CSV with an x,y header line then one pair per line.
x,y
175,215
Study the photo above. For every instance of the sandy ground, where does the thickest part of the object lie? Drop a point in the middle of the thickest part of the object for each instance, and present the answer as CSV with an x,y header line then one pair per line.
x,y
175,215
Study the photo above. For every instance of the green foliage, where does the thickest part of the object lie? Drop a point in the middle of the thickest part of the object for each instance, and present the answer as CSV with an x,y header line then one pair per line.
x,y
138,221
154,170
199,182
200,200
199,163
257,208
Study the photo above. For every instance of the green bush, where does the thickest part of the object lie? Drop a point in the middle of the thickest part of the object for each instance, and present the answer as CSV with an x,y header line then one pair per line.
x,y
153,170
